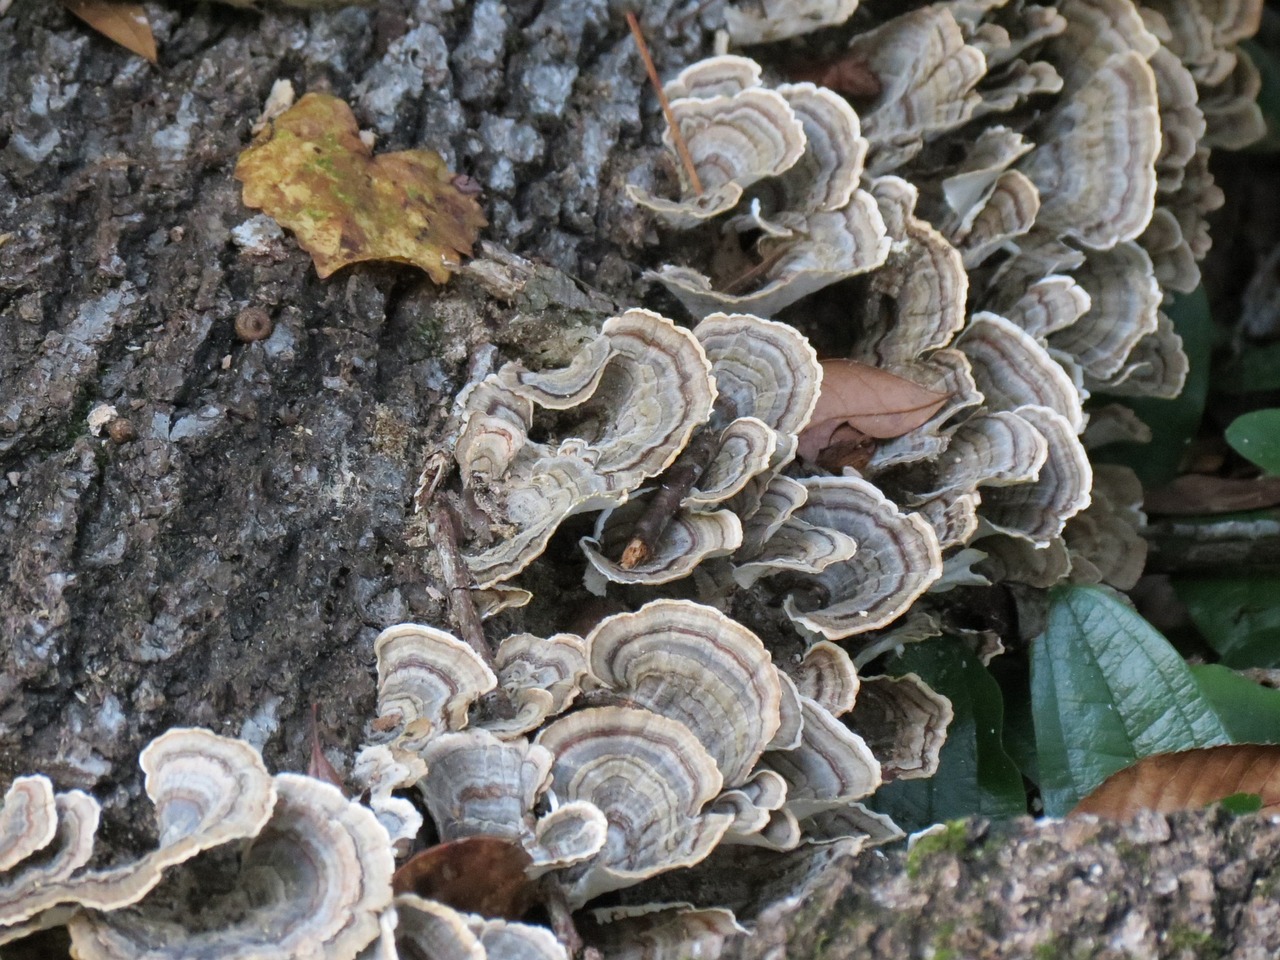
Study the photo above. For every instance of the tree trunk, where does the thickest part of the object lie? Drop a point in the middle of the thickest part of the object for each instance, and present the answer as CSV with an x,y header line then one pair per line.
x,y
1193,885
225,551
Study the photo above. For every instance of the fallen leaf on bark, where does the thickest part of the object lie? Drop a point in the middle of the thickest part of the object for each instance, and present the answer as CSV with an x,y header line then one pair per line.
x,y
1195,494
1189,780
125,23
874,402
319,767
310,170
484,875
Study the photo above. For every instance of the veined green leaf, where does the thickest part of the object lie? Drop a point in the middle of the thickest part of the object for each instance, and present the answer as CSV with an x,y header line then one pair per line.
x,y
1256,437
1249,711
1106,690
1239,616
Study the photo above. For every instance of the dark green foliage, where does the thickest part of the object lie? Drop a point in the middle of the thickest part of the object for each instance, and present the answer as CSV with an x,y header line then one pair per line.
x,y
1106,690
975,773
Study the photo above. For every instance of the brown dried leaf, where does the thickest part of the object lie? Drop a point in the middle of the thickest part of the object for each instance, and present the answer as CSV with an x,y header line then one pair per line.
x,y
1189,780
846,447
849,74
872,401
319,767
125,23
310,170
1194,494
484,875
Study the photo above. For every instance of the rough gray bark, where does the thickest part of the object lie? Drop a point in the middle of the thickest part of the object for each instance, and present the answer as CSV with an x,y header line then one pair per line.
x,y
231,562
1193,886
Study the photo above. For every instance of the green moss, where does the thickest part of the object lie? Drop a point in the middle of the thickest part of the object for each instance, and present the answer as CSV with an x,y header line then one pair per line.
x,y
426,330
953,838
820,944
1200,943
1049,950
77,424
941,942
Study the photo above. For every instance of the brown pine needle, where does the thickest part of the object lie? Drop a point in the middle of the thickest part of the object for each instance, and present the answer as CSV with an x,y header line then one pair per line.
x,y
747,277
443,530
677,137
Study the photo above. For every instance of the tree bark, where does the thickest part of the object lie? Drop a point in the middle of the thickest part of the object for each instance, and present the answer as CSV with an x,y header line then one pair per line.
x,y
232,562
1190,885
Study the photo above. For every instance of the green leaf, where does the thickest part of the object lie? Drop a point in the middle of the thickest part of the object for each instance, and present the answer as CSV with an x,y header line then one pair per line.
x,y
975,774
1249,711
1256,369
1256,437
1173,422
1013,673
1106,690
1241,803
1238,616
1268,96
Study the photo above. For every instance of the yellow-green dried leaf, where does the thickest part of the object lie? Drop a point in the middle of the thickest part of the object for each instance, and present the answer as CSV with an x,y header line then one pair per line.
x,y
311,172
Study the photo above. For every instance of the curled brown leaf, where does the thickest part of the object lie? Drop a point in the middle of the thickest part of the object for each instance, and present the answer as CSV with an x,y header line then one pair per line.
x,y
1195,494
1189,780
319,766
846,447
484,875
849,74
873,402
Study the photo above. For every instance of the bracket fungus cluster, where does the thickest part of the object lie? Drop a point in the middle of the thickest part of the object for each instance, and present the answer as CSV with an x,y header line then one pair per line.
x,y
993,218
1001,220
724,405
248,865
661,740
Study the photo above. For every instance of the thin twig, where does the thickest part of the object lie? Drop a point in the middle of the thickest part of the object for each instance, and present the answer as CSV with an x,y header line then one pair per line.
x,y
677,137
673,487
443,530
1222,547
749,276
561,917
436,469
